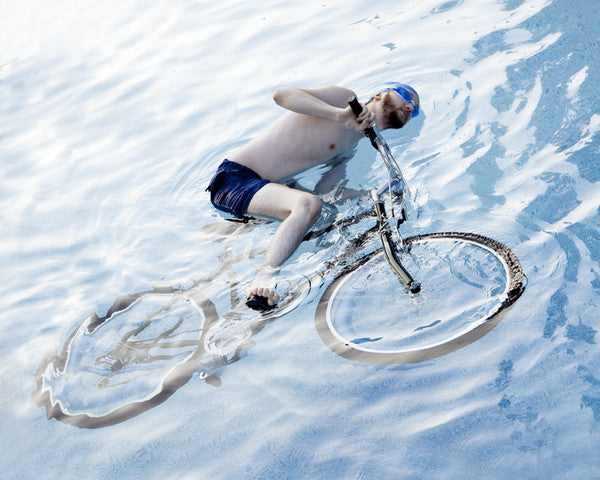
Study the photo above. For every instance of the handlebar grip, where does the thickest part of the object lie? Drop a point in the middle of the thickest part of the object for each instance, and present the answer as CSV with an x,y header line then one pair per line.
x,y
369,132
355,105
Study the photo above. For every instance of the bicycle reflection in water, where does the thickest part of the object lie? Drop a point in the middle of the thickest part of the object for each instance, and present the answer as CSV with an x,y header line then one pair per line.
x,y
149,344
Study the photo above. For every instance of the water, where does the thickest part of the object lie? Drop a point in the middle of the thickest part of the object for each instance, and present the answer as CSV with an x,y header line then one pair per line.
x,y
113,118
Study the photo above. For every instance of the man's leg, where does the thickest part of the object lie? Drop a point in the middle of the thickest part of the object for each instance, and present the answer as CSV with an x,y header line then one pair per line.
x,y
298,210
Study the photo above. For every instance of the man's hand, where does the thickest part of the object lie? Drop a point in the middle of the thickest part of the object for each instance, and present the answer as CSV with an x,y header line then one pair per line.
x,y
365,119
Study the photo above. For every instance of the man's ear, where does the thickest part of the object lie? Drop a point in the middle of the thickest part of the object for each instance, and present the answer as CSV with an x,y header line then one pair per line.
x,y
377,96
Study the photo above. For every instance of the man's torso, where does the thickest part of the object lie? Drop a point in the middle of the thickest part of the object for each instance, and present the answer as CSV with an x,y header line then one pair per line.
x,y
294,143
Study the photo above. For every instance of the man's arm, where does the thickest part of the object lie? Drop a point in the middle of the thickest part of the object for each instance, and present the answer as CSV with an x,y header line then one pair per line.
x,y
327,102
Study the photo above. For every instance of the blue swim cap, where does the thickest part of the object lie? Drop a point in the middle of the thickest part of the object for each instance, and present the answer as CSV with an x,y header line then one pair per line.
x,y
407,92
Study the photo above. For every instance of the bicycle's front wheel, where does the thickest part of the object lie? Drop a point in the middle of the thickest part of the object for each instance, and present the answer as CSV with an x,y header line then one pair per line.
x,y
469,282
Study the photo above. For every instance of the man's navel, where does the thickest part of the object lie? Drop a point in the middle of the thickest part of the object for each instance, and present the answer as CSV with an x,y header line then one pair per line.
x,y
332,146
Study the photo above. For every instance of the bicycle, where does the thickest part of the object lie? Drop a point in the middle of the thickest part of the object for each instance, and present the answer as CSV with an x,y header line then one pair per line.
x,y
149,344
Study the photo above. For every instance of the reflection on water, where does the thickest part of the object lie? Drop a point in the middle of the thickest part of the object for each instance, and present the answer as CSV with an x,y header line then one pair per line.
x,y
115,367
149,344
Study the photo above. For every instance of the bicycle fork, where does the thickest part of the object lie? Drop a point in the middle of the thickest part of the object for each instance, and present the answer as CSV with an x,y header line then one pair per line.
x,y
385,234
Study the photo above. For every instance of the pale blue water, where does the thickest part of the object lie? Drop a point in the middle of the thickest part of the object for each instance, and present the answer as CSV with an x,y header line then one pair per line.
x,y
112,119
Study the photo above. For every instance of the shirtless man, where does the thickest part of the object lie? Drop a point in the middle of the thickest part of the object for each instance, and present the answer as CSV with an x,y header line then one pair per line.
x,y
318,125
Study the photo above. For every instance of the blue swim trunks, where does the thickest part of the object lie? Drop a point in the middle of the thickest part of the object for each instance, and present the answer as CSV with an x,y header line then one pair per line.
x,y
233,186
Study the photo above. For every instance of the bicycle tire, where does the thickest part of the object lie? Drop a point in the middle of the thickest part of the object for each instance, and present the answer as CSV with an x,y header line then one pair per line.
x,y
197,344
514,286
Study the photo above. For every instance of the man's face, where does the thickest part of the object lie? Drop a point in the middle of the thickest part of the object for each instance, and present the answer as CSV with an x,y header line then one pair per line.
x,y
396,112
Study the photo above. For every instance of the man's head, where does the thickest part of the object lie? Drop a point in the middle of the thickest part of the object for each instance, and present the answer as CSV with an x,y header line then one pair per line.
x,y
395,106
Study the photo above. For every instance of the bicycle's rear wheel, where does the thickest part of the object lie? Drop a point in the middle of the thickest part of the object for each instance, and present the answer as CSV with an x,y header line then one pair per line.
x,y
469,282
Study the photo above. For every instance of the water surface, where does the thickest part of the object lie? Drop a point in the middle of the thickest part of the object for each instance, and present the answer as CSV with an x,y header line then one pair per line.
x,y
112,119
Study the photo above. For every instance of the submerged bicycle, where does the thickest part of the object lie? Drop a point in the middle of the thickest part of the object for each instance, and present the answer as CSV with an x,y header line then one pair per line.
x,y
410,300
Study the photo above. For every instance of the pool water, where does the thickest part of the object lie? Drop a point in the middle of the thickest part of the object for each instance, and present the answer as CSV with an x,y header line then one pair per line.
x,y
113,117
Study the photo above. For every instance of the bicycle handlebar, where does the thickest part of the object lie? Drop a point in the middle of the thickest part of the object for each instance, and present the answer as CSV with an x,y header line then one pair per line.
x,y
369,132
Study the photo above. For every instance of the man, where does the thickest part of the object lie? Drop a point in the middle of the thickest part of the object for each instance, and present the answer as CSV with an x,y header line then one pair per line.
x,y
318,125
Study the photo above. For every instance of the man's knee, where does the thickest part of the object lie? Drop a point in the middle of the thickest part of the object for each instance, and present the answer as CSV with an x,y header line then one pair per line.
x,y
309,205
